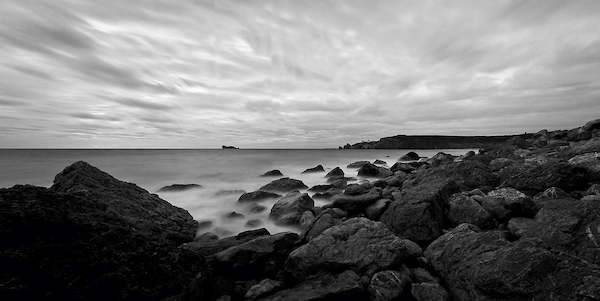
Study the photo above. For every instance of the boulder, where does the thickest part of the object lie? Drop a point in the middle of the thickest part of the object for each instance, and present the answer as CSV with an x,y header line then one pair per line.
x,y
379,162
357,164
588,161
479,265
321,188
375,210
318,168
507,202
233,215
256,196
429,292
272,173
355,203
410,156
356,189
462,208
518,226
371,170
256,208
441,158
284,185
405,167
306,219
263,288
92,237
290,208
342,286
534,178
357,244
499,163
389,285
328,194
335,173
552,193
326,219
591,126
209,245
179,187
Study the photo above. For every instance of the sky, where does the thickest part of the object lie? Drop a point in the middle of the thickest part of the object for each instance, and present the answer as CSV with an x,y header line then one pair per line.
x,y
291,74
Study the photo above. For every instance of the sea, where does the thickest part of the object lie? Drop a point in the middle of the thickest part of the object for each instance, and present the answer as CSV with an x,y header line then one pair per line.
x,y
224,174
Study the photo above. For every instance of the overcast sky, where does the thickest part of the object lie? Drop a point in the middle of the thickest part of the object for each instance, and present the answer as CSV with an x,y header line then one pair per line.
x,y
200,74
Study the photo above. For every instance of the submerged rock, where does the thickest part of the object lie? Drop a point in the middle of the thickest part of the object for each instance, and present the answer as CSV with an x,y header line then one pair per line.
x,y
179,187
318,168
284,185
335,173
272,173
379,162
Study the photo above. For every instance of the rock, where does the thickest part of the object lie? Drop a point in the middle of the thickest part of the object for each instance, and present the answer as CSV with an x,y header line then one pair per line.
x,y
410,156
258,195
593,190
318,168
258,257
357,164
441,158
284,185
356,189
257,208
371,170
264,287
591,125
379,162
518,226
400,166
532,179
464,209
552,193
422,275
321,188
343,286
389,285
335,173
327,194
588,161
208,247
499,163
359,244
592,197
253,223
206,237
179,187
429,292
290,208
395,180
326,219
507,202
306,219
486,266
375,210
272,173
233,215
90,223
355,203
340,182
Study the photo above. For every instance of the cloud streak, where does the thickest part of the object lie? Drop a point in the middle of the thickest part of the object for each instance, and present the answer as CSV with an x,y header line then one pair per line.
x,y
199,74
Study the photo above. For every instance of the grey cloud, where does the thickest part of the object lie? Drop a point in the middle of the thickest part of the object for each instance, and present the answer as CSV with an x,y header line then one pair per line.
x,y
84,115
140,104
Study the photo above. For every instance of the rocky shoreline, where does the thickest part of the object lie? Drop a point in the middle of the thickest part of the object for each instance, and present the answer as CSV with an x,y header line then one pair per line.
x,y
519,220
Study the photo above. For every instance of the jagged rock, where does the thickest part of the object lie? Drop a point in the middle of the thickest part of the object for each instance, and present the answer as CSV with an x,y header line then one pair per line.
x,y
206,247
318,168
256,196
505,203
485,266
371,170
355,203
272,173
462,208
89,223
429,292
389,285
379,162
359,244
284,185
410,156
264,287
326,219
179,187
290,208
375,210
335,173
343,286
532,179
357,164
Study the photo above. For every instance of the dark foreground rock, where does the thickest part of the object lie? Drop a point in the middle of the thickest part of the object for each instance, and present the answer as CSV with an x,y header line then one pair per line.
x,y
342,286
92,237
179,187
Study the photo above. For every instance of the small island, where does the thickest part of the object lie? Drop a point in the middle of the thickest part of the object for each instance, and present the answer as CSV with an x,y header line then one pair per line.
x,y
229,147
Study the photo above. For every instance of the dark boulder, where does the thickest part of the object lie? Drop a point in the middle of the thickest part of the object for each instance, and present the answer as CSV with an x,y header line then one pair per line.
x,y
359,244
429,292
441,158
405,167
179,187
590,162
379,162
290,208
552,193
463,208
534,178
328,194
375,210
206,247
356,189
321,188
390,285
357,164
355,203
284,185
256,196
335,173
371,170
318,168
272,173
410,156
326,219
507,202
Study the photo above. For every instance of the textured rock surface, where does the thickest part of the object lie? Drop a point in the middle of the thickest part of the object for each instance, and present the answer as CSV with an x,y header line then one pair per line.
x,y
389,285
256,196
283,185
290,208
335,173
464,209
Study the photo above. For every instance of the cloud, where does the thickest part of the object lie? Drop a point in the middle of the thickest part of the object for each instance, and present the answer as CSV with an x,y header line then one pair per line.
x,y
291,73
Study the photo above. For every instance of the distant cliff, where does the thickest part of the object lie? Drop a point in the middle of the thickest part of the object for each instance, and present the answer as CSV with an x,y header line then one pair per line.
x,y
433,142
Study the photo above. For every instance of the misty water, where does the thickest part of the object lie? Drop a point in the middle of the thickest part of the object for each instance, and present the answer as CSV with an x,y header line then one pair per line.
x,y
223,174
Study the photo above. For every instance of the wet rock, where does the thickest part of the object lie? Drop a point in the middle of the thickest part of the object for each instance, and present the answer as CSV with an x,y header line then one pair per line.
x,y
340,182
464,209
327,194
179,187
389,285
371,170
375,210
357,164
335,173
209,247
253,223
505,203
359,244
422,275
441,158
379,162
343,286
318,168
429,292
258,195
284,185
356,203
263,288
272,173
290,208
410,156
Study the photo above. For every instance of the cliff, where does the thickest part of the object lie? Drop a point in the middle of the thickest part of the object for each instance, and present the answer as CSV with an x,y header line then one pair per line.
x,y
433,142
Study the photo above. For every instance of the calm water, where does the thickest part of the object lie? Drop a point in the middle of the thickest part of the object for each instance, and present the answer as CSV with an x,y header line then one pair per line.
x,y
216,170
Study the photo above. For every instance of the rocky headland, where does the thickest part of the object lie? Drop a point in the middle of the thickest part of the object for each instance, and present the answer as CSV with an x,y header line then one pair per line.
x,y
518,220
433,142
